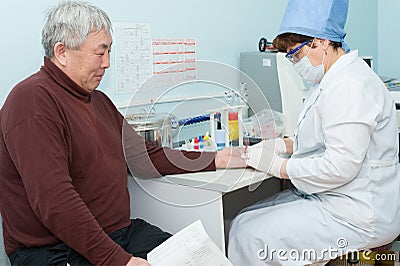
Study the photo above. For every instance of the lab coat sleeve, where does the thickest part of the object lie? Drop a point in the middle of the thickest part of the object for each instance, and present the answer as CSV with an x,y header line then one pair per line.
x,y
348,117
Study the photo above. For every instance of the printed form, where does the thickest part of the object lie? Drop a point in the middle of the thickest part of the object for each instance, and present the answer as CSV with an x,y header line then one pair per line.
x,y
133,64
190,246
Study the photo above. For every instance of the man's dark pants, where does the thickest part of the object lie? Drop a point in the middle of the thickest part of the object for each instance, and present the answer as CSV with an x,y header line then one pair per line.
x,y
138,239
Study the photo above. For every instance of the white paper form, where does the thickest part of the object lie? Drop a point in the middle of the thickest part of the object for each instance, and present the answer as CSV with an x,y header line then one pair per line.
x,y
190,247
133,64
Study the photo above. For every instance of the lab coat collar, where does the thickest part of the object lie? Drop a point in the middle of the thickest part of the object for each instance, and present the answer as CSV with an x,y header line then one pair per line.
x,y
341,63
314,94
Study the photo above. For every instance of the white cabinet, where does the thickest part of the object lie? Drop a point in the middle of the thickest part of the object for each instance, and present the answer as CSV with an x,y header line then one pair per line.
x,y
173,202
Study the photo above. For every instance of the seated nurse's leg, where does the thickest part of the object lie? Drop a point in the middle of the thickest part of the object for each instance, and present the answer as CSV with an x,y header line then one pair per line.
x,y
280,234
278,198
254,233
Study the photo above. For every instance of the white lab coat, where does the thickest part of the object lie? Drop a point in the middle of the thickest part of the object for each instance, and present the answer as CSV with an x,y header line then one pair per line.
x,y
346,171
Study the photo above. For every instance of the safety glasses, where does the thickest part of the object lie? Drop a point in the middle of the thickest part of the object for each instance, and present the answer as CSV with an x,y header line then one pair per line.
x,y
292,55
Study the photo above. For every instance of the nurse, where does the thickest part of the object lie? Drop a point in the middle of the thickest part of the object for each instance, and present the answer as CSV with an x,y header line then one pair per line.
x,y
343,161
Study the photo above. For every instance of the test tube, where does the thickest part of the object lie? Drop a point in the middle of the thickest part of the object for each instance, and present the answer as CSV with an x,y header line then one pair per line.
x,y
240,122
212,125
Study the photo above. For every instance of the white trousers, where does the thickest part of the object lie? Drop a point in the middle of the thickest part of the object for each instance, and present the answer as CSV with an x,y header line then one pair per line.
x,y
290,229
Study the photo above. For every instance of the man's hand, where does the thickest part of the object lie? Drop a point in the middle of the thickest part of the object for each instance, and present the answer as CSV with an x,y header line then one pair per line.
x,y
230,158
136,261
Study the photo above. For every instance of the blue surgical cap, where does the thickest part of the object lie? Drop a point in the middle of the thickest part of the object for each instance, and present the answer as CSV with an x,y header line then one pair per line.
x,y
323,19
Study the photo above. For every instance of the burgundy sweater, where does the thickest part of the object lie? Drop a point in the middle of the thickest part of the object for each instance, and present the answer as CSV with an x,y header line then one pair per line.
x,y
63,173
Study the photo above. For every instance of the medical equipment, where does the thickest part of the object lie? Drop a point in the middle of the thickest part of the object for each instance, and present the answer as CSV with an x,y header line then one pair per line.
x,y
154,127
395,92
272,83
233,125
264,44
219,133
393,86
224,119
369,60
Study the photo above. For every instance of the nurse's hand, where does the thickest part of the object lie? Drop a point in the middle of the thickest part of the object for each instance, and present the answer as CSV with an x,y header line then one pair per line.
x,y
289,145
230,158
265,156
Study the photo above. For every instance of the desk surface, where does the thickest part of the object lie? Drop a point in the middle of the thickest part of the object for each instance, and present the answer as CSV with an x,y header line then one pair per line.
x,y
222,180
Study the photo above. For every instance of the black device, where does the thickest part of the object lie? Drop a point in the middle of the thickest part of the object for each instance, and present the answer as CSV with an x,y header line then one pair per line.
x,y
263,43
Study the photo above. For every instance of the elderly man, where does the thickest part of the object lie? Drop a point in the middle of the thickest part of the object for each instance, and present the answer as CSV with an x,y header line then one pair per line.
x,y
63,170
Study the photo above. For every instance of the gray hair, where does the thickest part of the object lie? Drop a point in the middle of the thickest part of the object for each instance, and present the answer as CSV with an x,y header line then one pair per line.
x,y
70,23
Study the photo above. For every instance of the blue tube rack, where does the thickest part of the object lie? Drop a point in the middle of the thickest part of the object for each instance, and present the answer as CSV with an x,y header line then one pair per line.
x,y
194,120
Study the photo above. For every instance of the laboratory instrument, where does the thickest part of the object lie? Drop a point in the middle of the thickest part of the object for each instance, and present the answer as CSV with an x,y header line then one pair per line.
x,y
271,82
154,127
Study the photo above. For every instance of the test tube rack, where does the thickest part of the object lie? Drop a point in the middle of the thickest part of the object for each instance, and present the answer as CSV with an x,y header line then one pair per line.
x,y
224,116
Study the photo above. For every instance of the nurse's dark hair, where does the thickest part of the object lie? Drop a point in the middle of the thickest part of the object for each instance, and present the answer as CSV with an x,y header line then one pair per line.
x,y
283,41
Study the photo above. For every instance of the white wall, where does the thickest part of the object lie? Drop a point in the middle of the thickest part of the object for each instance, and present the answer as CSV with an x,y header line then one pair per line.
x,y
389,38
362,28
222,30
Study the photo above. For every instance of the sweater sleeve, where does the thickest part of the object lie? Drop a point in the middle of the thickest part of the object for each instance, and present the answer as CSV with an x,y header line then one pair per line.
x,y
146,159
42,163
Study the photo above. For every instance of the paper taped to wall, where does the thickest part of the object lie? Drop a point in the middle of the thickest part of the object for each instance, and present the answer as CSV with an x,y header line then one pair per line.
x,y
190,246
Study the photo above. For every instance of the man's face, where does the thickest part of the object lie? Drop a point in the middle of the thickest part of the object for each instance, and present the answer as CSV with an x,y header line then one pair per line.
x,y
87,65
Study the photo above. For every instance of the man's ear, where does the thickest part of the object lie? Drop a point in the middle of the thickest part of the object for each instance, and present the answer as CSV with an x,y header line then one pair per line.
x,y
60,53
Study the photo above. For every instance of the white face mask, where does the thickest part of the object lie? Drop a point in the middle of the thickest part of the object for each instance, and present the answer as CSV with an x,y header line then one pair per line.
x,y
310,73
